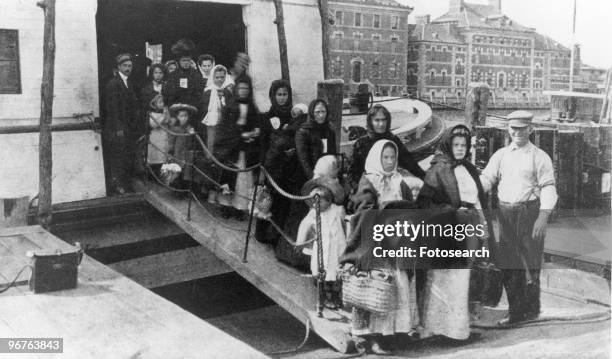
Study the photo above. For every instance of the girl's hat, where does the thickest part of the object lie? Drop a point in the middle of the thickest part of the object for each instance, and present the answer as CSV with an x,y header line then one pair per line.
x,y
174,109
300,106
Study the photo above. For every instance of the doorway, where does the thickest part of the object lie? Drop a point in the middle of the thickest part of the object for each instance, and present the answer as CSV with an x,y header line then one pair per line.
x,y
128,26
137,25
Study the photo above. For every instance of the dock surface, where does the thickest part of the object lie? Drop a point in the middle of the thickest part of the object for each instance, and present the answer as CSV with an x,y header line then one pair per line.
x,y
106,316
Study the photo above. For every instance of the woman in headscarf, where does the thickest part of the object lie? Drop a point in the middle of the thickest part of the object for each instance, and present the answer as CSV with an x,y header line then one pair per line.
x,y
379,128
212,105
383,180
277,140
237,144
278,117
213,102
315,137
452,185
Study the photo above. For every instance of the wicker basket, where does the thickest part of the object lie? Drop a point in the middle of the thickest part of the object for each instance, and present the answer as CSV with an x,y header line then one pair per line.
x,y
374,291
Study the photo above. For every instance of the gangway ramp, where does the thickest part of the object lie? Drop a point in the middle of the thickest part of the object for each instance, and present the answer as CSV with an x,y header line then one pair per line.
x,y
291,289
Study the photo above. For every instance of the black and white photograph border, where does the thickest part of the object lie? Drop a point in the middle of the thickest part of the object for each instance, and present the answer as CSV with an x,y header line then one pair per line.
x,y
253,178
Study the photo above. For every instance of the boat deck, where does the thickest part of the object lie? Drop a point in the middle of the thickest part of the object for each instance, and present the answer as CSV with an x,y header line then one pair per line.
x,y
106,316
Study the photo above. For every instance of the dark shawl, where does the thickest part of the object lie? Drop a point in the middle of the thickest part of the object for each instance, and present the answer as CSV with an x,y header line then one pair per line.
x,y
308,140
228,141
441,192
268,133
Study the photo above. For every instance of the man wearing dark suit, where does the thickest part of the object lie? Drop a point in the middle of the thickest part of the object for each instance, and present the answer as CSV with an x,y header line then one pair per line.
x,y
121,125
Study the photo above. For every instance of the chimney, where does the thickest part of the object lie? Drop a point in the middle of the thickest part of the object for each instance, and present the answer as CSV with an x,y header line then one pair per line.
x,y
423,20
455,6
496,4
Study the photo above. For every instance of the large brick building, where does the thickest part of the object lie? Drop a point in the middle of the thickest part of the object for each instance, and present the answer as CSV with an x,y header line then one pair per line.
x,y
369,40
478,43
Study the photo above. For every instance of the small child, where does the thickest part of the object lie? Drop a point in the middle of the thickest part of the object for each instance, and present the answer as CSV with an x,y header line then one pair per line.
x,y
182,142
327,170
159,145
333,238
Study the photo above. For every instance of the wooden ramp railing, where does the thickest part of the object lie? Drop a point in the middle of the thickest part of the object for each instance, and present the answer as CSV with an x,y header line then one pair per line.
x,y
289,288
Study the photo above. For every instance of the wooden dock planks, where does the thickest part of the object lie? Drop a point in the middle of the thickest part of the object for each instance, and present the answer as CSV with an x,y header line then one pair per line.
x,y
107,315
289,288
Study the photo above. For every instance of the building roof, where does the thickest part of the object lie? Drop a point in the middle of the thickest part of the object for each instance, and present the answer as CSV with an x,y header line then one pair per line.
x,y
435,33
546,43
385,3
483,16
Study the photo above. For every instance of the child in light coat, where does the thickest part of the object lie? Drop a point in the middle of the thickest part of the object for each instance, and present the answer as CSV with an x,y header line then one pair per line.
x,y
159,144
182,140
333,238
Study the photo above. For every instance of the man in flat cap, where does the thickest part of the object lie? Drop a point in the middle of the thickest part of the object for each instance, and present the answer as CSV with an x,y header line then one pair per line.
x,y
120,125
526,192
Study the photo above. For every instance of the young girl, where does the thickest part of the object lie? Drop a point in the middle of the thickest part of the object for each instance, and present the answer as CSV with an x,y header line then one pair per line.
x,y
236,144
333,238
386,184
327,170
180,144
159,145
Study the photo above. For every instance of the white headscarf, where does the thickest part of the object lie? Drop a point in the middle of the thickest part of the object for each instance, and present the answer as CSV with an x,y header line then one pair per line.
x,y
386,184
324,166
214,104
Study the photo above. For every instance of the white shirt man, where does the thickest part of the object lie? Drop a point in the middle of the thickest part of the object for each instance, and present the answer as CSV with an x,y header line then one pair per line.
x,y
527,194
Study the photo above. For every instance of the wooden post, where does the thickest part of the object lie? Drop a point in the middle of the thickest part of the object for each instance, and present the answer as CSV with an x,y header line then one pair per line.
x,y
331,92
282,40
325,36
476,105
46,114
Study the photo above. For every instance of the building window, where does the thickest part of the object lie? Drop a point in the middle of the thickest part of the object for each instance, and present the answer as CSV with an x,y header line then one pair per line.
x,y
500,80
356,69
357,36
537,84
337,67
339,19
393,70
458,83
376,37
394,42
443,76
357,19
376,69
395,22
337,43
376,21
10,76
432,74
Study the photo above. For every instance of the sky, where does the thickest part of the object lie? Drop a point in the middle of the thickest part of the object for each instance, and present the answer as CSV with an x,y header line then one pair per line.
x,y
552,18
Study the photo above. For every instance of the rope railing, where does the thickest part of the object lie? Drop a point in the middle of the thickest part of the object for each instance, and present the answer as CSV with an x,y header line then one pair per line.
x,y
252,203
